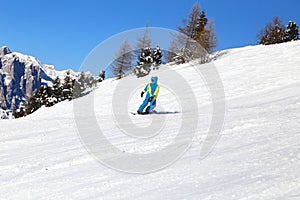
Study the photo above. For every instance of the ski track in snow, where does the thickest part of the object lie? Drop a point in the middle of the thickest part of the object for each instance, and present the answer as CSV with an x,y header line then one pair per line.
x,y
256,157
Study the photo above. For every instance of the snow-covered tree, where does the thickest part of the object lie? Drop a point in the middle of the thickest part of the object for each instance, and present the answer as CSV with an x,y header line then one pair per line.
x,y
57,90
148,60
157,55
46,96
145,57
20,112
123,60
292,31
79,85
35,102
101,76
91,81
273,33
42,97
144,63
49,96
67,88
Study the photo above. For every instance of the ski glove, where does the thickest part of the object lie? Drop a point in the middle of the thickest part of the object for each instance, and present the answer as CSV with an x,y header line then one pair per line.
x,y
142,94
151,98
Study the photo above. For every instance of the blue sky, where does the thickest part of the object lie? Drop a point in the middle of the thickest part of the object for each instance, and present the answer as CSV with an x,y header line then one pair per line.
x,y
63,32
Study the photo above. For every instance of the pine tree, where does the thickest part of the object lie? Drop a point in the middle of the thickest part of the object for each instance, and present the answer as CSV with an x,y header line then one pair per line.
x,y
123,60
205,34
92,82
196,39
187,42
101,76
144,63
148,60
82,81
57,90
49,96
46,96
145,57
156,56
273,33
34,102
79,85
292,32
20,112
189,25
67,88
201,22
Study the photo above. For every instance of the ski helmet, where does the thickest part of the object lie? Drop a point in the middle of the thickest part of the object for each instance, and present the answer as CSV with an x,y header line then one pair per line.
x,y
154,79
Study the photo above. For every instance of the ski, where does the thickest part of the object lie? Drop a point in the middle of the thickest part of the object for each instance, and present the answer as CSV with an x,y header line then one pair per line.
x,y
143,113
135,113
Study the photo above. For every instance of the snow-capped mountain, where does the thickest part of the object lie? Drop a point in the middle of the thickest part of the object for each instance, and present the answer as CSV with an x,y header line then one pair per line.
x,y
53,73
21,75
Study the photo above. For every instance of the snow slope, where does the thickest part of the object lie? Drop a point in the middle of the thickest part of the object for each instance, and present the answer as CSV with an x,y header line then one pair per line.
x,y
256,157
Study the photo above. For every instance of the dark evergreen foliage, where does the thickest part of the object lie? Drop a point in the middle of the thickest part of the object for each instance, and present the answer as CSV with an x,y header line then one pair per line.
x,y
201,22
43,96
101,76
157,56
49,96
57,92
292,32
148,60
79,85
275,33
67,88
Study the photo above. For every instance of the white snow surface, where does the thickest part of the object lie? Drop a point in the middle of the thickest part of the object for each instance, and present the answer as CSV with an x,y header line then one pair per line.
x,y
256,157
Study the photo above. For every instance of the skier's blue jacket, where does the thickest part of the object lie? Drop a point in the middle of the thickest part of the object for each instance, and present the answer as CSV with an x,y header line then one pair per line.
x,y
152,90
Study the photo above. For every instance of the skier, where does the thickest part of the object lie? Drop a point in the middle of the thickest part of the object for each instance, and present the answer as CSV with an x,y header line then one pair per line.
x,y
152,90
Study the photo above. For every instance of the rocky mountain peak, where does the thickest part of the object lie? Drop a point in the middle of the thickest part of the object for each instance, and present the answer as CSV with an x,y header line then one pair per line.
x,y
20,76
4,50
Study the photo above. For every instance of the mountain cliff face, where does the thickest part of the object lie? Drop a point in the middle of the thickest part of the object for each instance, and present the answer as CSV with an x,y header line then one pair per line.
x,y
20,77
